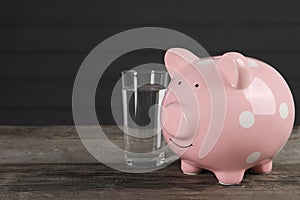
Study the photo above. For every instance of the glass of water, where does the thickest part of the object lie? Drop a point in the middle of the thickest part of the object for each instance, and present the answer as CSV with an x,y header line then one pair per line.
x,y
142,94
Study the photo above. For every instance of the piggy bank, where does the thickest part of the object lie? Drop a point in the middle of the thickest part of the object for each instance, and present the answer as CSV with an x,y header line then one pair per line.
x,y
225,114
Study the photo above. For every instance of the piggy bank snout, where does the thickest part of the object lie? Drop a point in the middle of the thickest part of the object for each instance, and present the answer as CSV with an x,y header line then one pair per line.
x,y
174,120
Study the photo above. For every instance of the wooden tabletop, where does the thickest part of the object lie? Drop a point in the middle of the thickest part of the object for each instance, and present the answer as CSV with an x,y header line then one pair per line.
x,y
50,162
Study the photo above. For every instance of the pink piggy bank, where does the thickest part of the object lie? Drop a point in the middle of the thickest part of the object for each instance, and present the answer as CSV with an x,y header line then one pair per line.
x,y
225,114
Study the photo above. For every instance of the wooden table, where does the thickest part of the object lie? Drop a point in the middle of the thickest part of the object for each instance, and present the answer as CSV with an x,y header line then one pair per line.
x,y
49,162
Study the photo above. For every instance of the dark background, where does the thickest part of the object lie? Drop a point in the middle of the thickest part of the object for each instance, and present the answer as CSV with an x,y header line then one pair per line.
x,y
43,43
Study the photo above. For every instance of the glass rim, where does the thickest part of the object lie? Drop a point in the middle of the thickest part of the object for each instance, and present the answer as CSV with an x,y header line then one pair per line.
x,y
144,71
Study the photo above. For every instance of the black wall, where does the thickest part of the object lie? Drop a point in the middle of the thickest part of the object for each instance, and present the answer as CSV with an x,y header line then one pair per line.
x,y
43,43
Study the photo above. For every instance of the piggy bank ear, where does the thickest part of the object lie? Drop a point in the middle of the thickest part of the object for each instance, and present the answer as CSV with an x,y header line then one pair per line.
x,y
177,58
235,68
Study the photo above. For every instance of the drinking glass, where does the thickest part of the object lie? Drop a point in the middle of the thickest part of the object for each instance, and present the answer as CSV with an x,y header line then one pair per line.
x,y
142,94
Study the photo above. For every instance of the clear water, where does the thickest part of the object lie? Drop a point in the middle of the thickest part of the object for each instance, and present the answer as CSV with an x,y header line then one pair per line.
x,y
143,140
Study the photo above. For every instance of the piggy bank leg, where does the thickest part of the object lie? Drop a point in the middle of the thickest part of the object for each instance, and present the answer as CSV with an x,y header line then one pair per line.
x,y
189,169
229,177
263,168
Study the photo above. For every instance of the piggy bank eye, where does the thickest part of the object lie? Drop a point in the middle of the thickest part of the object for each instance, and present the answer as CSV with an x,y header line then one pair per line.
x,y
197,85
179,82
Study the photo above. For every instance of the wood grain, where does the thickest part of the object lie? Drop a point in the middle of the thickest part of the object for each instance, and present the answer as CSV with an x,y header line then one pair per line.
x,y
58,94
64,67
50,163
82,39
135,12
44,42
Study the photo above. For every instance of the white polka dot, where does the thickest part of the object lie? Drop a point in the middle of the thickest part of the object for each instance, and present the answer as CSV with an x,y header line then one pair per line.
x,y
247,119
283,110
253,157
252,63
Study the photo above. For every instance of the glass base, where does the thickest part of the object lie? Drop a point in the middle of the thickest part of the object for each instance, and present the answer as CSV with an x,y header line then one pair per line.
x,y
139,160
